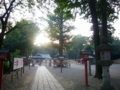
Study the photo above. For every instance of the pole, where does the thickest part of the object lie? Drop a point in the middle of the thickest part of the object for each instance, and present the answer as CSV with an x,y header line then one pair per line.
x,y
90,68
54,64
1,73
21,71
29,64
12,76
17,74
86,73
61,65
23,65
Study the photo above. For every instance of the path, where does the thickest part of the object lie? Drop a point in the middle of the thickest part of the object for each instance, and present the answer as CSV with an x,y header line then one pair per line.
x,y
45,81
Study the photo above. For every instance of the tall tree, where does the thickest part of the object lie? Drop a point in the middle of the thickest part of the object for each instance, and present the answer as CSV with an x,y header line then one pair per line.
x,y
22,38
58,28
58,32
8,10
93,10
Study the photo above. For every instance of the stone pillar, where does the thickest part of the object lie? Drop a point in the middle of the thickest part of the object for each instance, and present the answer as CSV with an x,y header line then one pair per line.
x,y
105,62
90,68
106,75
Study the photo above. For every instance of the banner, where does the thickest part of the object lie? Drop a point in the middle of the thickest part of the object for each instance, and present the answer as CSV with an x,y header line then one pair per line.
x,y
18,63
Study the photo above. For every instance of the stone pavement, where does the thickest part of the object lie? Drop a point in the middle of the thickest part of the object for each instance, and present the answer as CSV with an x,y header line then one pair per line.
x,y
72,78
44,80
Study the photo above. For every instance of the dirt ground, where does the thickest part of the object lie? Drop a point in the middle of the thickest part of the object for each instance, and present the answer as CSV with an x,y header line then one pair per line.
x,y
22,82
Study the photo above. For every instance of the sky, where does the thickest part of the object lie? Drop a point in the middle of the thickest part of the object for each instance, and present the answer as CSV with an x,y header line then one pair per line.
x,y
83,28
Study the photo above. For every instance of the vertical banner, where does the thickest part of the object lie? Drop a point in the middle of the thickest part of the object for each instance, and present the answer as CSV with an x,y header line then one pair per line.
x,y
18,63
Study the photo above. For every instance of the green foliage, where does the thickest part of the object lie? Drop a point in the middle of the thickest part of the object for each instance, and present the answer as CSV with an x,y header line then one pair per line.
x,y
15,54
78,44
116,44
55,32
11,7
82,7
22,38
62,9
89,47
6,66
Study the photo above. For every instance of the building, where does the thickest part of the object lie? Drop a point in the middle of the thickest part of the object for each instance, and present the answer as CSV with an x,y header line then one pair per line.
x,y
39,56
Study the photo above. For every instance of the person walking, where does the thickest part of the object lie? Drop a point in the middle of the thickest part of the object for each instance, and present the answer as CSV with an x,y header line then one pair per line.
x,y
69,64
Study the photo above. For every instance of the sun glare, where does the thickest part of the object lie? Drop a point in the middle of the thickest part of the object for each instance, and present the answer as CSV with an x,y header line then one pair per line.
x,y
41,39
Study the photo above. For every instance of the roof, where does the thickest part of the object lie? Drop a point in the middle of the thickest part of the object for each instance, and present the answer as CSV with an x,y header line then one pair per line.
x,y
42,56
57,55
91,56
38,57
23,57
47,56
4,51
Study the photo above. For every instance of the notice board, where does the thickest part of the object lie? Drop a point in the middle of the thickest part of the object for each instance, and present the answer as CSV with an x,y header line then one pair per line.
x,y
18,63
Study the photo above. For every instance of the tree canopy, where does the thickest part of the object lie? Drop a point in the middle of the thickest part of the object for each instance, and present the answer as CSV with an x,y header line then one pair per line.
x,y
22,38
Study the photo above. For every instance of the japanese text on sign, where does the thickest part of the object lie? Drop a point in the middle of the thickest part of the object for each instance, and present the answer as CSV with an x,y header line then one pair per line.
x,y
18,63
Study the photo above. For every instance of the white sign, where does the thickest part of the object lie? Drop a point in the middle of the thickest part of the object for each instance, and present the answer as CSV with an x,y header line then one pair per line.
x,y
18,63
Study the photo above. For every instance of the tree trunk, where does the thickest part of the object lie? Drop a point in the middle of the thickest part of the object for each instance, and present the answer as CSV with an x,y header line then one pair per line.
x,y
1,40
98,72
61,36
104,19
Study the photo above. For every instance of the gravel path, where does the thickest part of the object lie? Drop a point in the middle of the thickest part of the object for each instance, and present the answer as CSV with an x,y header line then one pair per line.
x,y
73,78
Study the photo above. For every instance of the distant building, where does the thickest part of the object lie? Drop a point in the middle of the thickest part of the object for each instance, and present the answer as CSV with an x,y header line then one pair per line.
x,y
39,56
92,59
57,55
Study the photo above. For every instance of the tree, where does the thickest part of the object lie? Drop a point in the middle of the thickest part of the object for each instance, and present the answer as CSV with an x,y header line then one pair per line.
x,y
78,44
58,30
22,38
95,11
115,54
8,9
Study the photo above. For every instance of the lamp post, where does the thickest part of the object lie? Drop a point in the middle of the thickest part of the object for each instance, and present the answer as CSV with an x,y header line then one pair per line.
x,y
61,62
85,55
105,62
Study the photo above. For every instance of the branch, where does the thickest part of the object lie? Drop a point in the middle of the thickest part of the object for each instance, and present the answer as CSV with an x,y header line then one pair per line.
x,y
5,5
2,1
16,27
9,9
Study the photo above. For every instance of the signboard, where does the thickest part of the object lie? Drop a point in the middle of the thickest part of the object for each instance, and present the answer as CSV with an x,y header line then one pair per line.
x,y
18,63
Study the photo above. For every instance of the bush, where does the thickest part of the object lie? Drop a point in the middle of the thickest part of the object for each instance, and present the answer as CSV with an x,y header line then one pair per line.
x,y
6,66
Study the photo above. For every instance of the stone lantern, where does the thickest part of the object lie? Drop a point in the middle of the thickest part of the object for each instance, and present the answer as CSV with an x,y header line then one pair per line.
x,y
105,61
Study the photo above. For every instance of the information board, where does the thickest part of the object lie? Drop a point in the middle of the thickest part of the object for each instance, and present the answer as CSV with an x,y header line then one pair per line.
x,y
18,63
